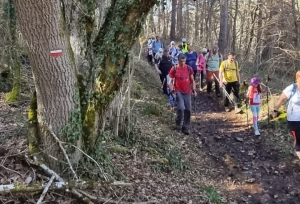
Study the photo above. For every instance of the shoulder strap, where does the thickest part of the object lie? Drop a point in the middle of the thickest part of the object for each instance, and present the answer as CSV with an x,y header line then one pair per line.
x,y
292,94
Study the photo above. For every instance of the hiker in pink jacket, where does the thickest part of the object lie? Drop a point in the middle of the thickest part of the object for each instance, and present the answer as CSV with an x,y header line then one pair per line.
x,y
201,67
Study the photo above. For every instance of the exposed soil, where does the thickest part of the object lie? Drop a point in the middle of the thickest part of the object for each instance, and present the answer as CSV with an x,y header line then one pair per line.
x,y
220,152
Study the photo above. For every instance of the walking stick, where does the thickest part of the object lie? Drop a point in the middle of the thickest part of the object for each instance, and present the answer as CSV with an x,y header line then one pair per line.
x,y
200,79
246,102
267,87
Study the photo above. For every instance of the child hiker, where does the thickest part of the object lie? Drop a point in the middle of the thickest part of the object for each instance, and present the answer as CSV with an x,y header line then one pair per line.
x,y
171,95
254,97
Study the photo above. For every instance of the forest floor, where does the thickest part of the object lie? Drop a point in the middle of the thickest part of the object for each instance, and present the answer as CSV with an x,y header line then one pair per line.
x,y
221,161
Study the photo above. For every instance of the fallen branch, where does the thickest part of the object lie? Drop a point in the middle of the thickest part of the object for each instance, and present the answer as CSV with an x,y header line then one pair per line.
x,y
45,190
22,187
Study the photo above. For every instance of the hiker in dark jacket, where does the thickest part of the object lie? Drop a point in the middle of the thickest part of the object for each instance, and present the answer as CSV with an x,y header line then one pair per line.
x,y
163,66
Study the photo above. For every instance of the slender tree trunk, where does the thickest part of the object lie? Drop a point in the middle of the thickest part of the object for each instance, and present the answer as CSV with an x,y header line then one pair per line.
x,y
173,20
179,19
223,25
13,58
197,20
233,46
259,33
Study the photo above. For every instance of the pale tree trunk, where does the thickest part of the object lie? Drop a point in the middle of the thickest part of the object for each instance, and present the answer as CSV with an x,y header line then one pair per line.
x,y
74,112
259,33
223,25
55,80
233,46
179,19
295,23
173,20
197,20
187,20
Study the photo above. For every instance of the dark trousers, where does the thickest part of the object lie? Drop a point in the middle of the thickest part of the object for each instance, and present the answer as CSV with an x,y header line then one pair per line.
x,y
163,79
195,73
150,58
294,127
201,78
232,86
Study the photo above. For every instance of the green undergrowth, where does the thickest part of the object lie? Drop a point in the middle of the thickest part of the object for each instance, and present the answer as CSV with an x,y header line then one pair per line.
x,y
153,142
212,194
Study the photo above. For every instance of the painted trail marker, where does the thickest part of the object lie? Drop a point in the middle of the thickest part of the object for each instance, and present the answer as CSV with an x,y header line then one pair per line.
x,y
56,53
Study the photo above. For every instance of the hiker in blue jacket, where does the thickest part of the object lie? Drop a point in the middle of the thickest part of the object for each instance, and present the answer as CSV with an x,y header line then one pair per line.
x,y
191,59
156,45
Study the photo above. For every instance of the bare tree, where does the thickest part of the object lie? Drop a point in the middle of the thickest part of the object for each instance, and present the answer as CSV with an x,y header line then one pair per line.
x,y
223,25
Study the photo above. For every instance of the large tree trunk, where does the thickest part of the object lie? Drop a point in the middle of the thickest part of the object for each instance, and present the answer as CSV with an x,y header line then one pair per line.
x,y
71,111
223,25
54,77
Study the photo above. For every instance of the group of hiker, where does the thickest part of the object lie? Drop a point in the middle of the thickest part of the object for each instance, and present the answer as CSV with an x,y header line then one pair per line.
x,y
179,67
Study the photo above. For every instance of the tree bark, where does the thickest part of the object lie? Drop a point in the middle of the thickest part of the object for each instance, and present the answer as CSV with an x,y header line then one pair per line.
x,y
173,20
54,77
233,46
223,25
72,111
179,19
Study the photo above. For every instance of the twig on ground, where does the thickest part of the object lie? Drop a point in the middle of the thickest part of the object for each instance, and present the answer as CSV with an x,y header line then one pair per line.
x,y
64,151
45,190
88,156
10,170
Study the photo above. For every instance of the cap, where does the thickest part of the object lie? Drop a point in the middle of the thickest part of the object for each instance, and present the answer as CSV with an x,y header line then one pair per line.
x,y
204,50
172,42
160,50
183,40
254,81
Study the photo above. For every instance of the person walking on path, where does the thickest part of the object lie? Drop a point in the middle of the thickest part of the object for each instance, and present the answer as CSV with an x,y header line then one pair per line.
x,y
254,99
156,45
191,59
291,95
173,52
201,67
185,45
213,60
229,75
163,66
182,83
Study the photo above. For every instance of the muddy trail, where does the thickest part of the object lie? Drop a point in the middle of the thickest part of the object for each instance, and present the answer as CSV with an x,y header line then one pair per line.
x,y
256,171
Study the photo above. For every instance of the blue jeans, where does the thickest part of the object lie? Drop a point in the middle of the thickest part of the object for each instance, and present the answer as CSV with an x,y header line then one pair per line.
x,y
255,113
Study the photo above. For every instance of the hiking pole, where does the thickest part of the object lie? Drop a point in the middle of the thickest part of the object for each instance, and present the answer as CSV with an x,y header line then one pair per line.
x,y
226,93
246,103
162,86
267,82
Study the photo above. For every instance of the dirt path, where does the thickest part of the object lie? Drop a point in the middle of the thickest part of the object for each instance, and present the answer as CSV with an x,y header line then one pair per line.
x,y
254,171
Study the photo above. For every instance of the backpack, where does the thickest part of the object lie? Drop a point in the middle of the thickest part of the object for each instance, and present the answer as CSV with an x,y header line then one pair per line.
x,y
209,55
292,94
226,65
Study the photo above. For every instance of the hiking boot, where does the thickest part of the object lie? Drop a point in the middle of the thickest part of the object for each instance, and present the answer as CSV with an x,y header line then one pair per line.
x,y
256,132
185,130
227,109
237,110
